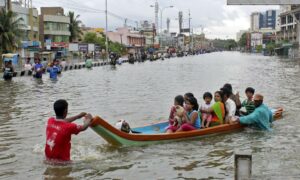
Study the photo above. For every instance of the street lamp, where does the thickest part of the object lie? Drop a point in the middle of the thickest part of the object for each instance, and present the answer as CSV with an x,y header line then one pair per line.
x,y
161,13
106,26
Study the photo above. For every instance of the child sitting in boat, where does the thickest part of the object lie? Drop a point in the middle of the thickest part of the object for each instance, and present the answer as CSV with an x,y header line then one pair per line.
x,y
178,101
178,119
248,103
206,116
191,116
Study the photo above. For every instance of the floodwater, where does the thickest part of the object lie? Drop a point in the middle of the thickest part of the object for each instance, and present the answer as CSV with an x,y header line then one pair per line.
x,y
143,93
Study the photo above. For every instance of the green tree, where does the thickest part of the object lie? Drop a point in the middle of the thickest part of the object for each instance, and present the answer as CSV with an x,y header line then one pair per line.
x,y
74,26
271,47
243,41
258,48
91,37
10,32
230,44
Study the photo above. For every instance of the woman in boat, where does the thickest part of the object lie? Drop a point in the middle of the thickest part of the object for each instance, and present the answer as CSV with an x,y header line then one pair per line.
x,y
217,110
192,119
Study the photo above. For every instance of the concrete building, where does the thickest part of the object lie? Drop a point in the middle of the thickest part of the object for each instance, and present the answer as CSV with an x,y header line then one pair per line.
x,y
128,37
268,19
255,17
30,27
289,21
167,40
200,42
260,20
256,39
149,32
54,28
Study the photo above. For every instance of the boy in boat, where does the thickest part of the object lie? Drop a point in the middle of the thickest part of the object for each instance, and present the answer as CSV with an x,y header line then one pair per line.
x,y
248,103
59,131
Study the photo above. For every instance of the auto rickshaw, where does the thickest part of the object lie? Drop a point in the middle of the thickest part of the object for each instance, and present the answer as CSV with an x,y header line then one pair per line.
x,y
9,62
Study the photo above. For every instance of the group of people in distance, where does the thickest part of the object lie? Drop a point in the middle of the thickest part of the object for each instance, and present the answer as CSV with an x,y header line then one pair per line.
x,y
186,115
39,68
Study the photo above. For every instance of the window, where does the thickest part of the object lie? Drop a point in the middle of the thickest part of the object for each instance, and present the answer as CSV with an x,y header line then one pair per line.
x,y
54,26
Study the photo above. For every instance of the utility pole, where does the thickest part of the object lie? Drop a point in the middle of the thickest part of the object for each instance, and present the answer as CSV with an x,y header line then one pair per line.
x,y
190,30
9,5
125,23
137,25
168,25
106,39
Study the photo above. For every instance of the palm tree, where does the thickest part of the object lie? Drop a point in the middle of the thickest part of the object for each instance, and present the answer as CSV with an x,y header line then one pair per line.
x,y
10,32
74,26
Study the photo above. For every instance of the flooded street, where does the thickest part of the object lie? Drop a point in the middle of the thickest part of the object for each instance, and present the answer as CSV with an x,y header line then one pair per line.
x,y
143,93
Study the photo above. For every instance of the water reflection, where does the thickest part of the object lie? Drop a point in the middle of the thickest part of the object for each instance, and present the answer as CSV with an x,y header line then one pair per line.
x,y
8,135
58,172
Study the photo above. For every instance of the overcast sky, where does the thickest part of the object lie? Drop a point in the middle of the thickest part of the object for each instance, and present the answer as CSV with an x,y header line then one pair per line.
x,y
218,19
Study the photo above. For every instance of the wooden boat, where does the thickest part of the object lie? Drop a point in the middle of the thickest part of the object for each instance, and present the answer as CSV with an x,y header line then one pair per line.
x,y
153,134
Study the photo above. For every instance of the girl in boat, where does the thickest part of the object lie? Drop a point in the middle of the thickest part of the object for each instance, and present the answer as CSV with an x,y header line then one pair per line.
x,y
188,95
178,101
217,110
191,116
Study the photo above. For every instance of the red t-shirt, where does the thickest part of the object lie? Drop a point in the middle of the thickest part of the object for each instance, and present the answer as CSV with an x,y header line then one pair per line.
x,y
58,139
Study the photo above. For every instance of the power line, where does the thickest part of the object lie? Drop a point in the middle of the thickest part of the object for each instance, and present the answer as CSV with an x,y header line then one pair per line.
x,y
83,8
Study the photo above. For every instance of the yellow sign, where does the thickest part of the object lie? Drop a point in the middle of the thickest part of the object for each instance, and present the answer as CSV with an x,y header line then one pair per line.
x,y
99,30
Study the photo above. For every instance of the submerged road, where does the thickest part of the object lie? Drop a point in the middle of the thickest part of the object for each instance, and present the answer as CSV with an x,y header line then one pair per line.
x,y
143,93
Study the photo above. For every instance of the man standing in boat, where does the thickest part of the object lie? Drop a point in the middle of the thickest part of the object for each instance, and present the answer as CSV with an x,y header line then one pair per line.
x,y
260,118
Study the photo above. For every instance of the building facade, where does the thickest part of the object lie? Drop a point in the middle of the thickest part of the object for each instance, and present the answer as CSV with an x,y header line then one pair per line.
x,y
255,17
54,28
30,27
268,19
289,22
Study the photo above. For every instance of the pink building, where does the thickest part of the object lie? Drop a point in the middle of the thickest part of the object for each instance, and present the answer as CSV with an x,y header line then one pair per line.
x,y
130,39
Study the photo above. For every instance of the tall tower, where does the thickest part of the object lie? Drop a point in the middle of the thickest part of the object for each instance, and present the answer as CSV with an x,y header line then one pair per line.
x,y
180,21
168,25
156,15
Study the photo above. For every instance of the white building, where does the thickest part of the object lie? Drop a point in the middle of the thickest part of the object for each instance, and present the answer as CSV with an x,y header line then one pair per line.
x,y
255,21
256,39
